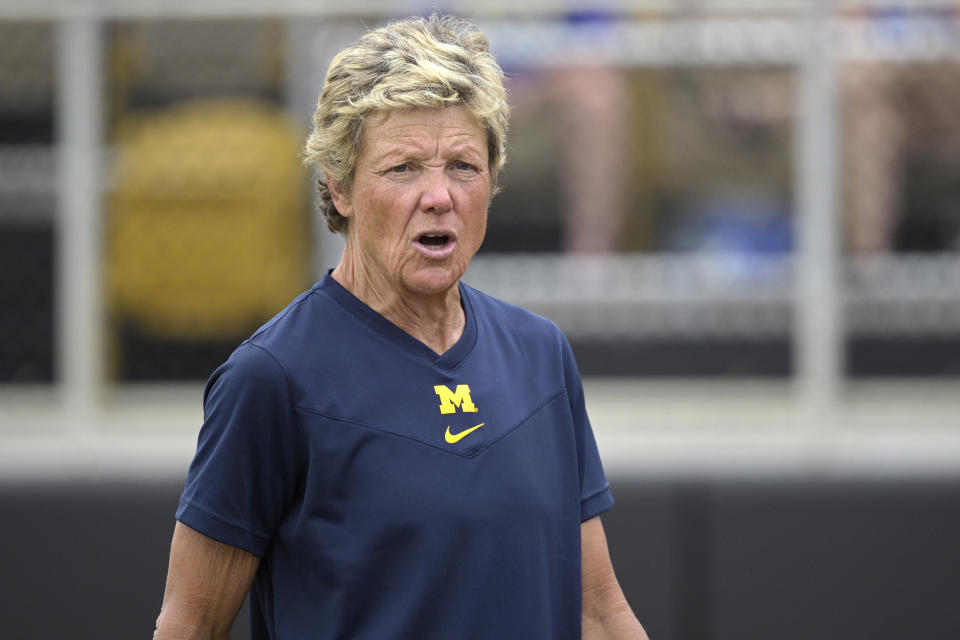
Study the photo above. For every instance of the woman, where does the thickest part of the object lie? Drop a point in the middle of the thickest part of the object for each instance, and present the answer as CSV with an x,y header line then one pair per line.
x,y
397,455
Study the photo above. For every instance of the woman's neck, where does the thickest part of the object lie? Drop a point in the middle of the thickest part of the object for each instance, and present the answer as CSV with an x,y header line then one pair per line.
x,y
437,320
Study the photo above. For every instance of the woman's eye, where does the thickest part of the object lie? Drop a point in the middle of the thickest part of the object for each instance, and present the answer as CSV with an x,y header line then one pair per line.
x,y
463,166
400,168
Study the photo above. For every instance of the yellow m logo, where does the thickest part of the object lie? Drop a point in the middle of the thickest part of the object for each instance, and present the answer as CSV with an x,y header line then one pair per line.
x,y
450,400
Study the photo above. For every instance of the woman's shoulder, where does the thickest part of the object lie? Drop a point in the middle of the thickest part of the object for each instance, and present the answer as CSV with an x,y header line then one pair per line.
x,y
298,328
275,327
514,318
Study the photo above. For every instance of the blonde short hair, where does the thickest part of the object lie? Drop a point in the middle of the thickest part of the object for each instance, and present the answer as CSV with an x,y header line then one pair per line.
x,y
418,62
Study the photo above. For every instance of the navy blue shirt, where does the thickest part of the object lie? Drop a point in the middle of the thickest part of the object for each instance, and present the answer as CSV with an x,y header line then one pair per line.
x,y
391,492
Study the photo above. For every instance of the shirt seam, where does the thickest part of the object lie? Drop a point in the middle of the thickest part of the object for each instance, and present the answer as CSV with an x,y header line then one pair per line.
x,y
596,493
519,424
468,308
301,436
363,425
276,319
194,504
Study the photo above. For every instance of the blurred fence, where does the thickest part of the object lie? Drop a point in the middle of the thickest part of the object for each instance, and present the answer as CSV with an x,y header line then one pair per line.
x,y
728,189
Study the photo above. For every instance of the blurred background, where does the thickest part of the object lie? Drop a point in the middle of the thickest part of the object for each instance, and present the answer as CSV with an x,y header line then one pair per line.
x,y
744,214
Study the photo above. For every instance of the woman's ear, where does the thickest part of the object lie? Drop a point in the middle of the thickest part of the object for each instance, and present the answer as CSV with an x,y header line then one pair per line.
x,y
340,199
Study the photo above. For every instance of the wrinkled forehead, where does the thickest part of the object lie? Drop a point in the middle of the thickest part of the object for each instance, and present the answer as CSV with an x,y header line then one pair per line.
x,y
449,128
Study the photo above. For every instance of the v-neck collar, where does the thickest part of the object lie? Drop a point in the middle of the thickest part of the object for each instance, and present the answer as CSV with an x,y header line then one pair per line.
x,y
448,360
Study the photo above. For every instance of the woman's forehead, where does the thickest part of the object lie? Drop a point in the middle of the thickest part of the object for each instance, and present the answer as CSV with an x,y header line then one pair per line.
x,y
456,117
424,129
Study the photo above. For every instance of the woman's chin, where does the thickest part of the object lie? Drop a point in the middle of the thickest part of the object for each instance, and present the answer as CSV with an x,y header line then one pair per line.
x,y
432,280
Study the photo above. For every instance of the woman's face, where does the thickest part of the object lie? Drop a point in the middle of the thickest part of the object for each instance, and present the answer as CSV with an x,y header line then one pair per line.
x,y
418,203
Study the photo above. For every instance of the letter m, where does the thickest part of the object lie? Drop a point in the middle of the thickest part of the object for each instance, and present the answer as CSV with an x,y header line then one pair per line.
x,y
450,400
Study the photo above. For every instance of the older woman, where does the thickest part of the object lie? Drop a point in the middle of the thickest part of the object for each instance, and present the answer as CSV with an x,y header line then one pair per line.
x,y
397,455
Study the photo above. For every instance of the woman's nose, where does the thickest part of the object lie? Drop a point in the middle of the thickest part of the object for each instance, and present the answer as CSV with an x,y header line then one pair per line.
x,y
436,197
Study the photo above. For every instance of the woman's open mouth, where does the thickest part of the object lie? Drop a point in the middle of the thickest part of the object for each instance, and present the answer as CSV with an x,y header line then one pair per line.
x,y
435,244
433,241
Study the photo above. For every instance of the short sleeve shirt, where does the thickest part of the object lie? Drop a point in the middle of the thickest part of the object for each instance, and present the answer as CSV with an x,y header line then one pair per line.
x,y
392,492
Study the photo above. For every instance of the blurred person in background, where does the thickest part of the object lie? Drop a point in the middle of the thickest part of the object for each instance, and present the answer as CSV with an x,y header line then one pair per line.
x,y
396,454
902,143
593,104
902,156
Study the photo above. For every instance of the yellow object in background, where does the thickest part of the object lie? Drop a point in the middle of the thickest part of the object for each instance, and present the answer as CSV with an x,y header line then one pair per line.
x,y
207,234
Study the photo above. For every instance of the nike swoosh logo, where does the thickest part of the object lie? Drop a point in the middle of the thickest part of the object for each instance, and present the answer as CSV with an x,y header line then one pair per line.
x,y
457,437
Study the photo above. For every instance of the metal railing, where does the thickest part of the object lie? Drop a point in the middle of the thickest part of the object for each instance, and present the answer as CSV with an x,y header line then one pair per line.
x,y
813,294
